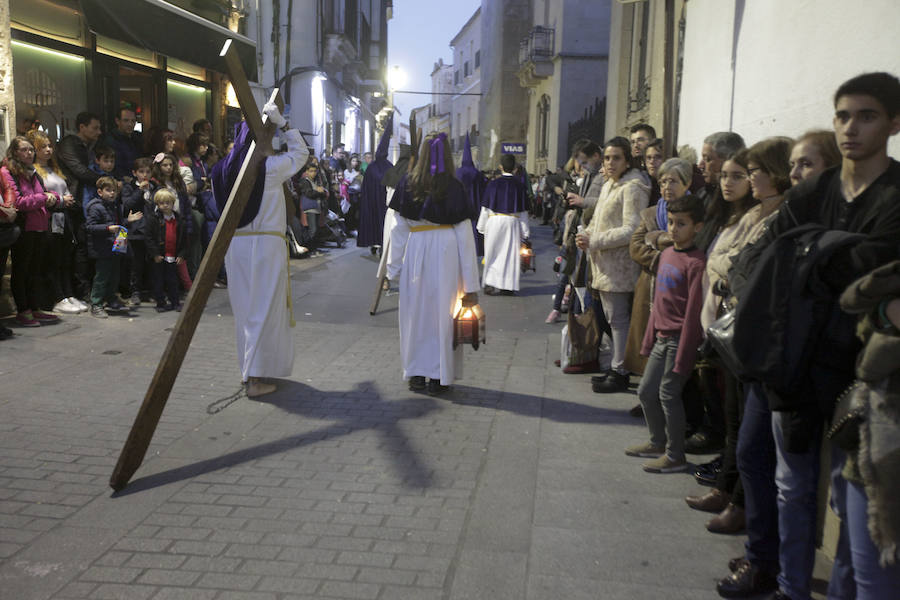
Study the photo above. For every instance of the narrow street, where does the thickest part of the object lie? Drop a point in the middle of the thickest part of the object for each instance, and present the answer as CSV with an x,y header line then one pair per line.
x,y
343,484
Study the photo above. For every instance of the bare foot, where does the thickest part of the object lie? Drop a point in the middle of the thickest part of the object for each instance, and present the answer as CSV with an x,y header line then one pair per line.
x,y
257,387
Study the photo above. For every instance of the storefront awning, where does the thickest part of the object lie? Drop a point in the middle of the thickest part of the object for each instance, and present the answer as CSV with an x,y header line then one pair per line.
x,y
167,29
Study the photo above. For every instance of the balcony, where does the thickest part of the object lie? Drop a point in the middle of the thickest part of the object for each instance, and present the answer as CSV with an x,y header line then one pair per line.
x,y
535,56
341,21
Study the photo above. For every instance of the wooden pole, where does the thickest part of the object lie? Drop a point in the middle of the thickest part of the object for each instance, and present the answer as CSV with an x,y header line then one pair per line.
x,y
161,385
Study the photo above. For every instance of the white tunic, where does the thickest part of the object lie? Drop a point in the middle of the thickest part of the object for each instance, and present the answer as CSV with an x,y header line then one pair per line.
x,y
257,267
503,236
436,267
389,220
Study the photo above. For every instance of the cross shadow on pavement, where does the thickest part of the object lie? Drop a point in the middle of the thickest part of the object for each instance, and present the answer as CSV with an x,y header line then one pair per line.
x,y
383,416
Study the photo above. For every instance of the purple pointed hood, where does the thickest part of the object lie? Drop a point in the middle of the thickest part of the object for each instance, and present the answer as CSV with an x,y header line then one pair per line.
x,y
385,141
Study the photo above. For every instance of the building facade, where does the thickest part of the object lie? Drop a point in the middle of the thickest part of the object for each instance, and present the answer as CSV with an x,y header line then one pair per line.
x,y
465,102
563,63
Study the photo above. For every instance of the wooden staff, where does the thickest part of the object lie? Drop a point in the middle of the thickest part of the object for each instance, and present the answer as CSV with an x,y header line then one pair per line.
x,y
161,385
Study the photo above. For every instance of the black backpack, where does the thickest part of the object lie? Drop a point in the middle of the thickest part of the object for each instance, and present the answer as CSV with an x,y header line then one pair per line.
x,y
786,316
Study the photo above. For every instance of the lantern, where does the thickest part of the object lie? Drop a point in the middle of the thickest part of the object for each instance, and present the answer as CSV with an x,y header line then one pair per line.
x,y
468,326
526,257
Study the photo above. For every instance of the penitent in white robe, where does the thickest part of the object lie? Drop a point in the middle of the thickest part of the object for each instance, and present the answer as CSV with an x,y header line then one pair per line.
x,y
257,267
389,220
503,235
436,268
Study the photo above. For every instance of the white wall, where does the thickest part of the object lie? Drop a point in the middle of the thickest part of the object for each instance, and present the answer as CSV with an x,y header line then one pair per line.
x,y
791,56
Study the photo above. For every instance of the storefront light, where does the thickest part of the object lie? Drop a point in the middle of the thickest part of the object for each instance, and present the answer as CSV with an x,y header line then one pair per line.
x,y
187,86
72,57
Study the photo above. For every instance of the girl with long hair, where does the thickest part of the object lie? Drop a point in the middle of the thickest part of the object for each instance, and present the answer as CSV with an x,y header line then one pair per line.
x,y
165,174
432,252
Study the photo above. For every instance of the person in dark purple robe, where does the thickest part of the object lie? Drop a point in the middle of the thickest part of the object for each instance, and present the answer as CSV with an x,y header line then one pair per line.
x,y
373,202
474,183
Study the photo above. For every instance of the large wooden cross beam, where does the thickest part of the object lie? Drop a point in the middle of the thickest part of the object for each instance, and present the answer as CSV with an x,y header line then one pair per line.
x,y
161,385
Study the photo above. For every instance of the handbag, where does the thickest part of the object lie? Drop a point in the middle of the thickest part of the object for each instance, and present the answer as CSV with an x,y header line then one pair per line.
x,y
9,233
849,413
584,335
720,336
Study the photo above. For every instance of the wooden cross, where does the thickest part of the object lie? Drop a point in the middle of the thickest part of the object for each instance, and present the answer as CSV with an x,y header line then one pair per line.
x,y
161,385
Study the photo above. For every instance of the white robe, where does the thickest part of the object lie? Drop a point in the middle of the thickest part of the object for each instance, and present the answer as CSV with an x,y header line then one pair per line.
x,y
257,267
389,220
436,268
503,236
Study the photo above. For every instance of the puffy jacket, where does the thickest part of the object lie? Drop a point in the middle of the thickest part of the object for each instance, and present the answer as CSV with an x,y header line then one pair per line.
x,y
100,216
156,234
134,199
31,200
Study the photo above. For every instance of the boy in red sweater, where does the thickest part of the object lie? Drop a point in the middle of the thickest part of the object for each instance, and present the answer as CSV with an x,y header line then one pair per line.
x,y
671,339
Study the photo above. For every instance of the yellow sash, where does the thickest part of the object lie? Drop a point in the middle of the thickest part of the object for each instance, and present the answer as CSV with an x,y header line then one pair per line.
x,y
501,215
418,228
287,247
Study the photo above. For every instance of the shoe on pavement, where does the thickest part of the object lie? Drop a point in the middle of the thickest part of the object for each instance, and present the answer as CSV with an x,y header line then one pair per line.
x,y
435,388
42,317
588,367
135,300
747,580
116,306
162,307
714,501
553,317
5,333
703,443
636,411
99,312
26,319
599,378
417,383
735,563
65,307
664,464
647,450
557,362
76,302
731,520
219,285
615,382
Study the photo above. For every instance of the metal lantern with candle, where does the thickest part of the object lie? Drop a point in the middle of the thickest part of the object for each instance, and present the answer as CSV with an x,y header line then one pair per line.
x,y
468,324
526,257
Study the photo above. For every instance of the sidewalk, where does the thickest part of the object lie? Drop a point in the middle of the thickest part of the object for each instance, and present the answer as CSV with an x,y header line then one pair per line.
x,y
343,484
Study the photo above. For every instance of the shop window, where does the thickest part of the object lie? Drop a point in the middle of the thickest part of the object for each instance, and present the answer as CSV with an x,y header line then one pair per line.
x,y
187,103
50,89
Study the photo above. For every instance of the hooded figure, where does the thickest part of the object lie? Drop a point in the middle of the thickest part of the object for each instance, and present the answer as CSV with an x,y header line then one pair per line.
x,y
474,183
257,258
373,204
390,181
504,223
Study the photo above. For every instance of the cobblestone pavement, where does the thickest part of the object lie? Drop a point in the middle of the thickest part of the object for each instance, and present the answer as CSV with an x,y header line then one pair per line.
x,y
343,484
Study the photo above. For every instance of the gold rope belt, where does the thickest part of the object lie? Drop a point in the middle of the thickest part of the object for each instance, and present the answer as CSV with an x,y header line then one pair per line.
x,y
287,247
418,228
502,215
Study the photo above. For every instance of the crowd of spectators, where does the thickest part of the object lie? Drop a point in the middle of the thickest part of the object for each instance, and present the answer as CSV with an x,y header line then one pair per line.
x,y
658,256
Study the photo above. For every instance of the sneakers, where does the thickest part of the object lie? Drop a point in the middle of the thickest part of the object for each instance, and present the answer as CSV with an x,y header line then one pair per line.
x,y
552,317
647,450
66,307
84,307
42,317
26,319
5,333
135,300
664,464
116,306
98,311
219,284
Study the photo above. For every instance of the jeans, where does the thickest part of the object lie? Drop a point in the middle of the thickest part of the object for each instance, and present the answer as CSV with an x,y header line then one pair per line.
x,y
856,573
106,279
729,480
756,464
797,480
617,308
165,282
561,284
660,395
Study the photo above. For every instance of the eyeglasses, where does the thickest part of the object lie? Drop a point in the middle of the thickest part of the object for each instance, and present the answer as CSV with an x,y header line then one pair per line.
x,y
666,182
736,177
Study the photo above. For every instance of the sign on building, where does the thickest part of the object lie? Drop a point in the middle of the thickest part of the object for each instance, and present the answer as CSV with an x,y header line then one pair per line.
x,y
512,147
